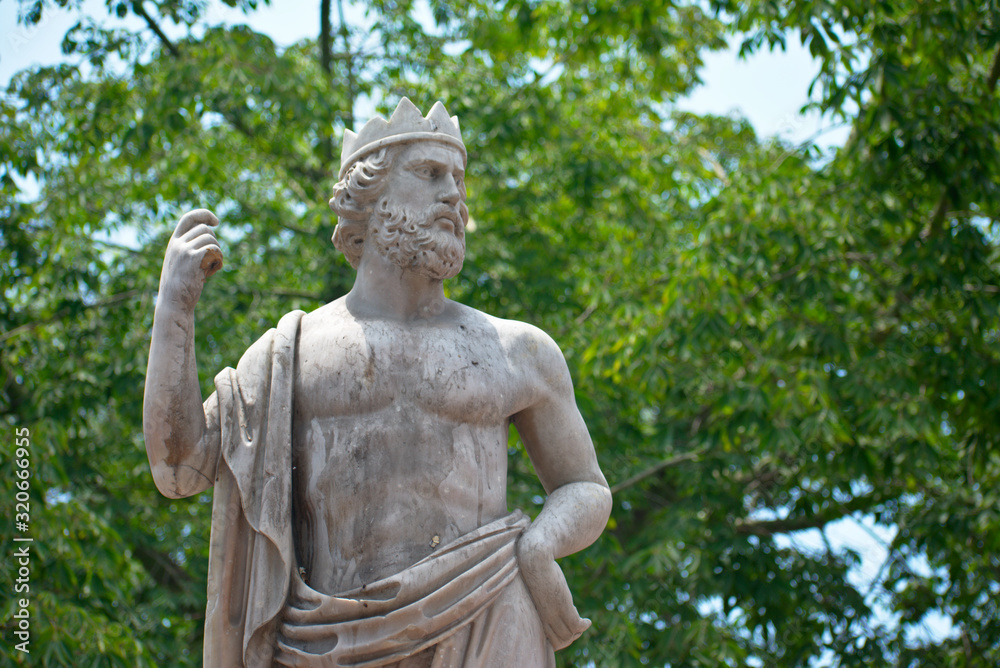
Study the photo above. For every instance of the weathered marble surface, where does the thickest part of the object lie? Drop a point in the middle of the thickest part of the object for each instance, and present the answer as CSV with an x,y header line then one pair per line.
x,y
359,452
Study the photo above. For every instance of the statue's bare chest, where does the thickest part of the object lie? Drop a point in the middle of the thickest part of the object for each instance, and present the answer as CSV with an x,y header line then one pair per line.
x,y
456,373
405,426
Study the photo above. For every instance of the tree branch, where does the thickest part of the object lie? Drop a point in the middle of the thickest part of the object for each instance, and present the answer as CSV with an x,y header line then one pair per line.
x,y
281,292
777,278
141,11
867,259
994,75
62,313
325,29
352,92
162,568
766,528
656,468
941,209
326,64
991,289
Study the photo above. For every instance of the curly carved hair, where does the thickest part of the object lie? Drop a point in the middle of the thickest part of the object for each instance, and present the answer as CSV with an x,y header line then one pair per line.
x,y
354,199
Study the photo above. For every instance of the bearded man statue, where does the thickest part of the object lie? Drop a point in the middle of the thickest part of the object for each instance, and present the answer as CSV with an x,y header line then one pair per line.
x,y
359,452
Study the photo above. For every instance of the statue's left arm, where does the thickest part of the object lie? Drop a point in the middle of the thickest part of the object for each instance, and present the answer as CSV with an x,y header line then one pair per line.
x,y
579,500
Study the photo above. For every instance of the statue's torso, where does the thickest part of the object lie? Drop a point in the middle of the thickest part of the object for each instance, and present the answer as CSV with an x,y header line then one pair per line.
x,y
399,438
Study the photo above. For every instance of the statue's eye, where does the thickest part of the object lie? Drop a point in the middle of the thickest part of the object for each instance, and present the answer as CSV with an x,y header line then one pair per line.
x,y
425,172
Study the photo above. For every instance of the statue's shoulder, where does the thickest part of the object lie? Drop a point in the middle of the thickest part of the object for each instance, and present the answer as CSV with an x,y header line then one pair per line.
x,y
328,318
523,341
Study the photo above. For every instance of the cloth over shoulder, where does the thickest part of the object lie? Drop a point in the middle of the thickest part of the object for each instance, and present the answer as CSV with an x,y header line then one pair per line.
x,y
252,551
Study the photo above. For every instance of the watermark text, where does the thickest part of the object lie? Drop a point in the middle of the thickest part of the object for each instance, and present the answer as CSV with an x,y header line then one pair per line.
x,y
21,561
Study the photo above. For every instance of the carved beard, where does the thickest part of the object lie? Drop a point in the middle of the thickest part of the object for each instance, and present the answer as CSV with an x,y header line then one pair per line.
x,y
412,240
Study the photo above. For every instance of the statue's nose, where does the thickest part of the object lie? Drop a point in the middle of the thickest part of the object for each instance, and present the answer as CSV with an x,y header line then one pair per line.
x,y
449,192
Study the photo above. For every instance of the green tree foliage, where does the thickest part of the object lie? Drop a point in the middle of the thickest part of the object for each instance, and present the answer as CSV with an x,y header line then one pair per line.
x,y
765,339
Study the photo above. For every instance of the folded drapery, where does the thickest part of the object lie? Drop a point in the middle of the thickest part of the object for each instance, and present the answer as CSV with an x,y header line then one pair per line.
x,y
401,615
251,552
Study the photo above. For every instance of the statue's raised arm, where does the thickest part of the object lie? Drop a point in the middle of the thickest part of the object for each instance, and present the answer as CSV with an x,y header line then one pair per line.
x,y
182,434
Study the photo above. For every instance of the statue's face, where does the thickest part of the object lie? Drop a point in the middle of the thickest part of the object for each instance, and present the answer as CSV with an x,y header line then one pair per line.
x,y
418,222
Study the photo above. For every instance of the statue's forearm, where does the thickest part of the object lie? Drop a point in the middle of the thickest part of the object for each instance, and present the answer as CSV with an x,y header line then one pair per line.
x,y
573,517
173,417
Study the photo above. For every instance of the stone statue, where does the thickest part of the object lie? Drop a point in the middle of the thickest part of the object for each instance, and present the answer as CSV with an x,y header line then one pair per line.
x,y
359,452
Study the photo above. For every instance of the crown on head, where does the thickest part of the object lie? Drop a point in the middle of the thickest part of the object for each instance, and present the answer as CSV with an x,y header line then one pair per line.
x,y
406,125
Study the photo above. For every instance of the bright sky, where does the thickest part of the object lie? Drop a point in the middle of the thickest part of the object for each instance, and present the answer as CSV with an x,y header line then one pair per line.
x,y
768,89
